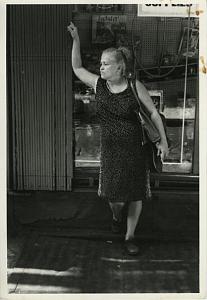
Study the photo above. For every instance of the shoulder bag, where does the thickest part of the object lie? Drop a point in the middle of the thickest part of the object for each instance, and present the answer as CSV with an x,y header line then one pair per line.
x,y
150,134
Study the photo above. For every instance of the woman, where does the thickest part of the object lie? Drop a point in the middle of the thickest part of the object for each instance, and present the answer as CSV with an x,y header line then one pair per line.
x,y
122,164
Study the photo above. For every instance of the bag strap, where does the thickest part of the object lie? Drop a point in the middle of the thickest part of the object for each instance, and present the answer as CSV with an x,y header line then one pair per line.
x,y
134,90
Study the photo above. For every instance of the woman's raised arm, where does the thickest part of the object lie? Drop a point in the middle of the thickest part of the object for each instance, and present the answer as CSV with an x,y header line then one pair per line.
x,y
85,76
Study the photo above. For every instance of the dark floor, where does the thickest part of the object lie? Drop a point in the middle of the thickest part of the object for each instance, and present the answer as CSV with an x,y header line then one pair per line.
x,y
63,244
42,263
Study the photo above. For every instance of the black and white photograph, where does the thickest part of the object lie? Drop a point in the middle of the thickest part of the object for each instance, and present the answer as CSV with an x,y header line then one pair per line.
x,y
105,187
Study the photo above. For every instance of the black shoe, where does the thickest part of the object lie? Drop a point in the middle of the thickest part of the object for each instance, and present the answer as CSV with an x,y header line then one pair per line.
x,y
116,226
130,247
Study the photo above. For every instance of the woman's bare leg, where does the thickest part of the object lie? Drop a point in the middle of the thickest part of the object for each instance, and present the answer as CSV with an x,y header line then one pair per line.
x,y
116,225
134,211
117,210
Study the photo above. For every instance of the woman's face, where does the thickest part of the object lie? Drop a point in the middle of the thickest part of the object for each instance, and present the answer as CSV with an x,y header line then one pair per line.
x,y
109,68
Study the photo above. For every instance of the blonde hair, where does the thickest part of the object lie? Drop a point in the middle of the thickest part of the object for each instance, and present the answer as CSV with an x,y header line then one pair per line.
x,y
122,56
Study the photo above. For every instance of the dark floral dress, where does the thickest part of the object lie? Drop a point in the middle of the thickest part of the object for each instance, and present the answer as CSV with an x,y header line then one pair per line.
x,y
123,176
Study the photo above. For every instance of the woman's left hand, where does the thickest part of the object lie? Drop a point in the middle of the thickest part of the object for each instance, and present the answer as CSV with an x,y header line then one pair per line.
x,y
162,149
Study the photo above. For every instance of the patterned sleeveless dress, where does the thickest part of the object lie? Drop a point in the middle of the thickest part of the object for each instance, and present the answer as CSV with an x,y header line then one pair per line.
x,y
123,173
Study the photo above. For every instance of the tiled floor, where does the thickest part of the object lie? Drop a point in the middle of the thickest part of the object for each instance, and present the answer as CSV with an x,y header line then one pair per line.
x,y
48,264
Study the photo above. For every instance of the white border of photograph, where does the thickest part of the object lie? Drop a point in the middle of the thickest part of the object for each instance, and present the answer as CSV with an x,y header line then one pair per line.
x,y
203,164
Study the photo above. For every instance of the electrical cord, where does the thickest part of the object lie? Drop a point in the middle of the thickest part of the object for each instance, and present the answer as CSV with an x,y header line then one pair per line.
x,y
132,41
163,43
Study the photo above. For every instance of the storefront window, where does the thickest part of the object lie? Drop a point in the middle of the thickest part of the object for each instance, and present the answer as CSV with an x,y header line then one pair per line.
x,y
180,129
87,129
180,120
161,63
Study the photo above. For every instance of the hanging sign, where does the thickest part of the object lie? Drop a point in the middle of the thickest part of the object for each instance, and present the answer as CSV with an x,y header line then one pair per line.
x,y
167,10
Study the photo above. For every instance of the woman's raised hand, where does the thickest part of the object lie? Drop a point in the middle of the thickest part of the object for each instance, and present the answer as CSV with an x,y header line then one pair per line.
x,y
73,30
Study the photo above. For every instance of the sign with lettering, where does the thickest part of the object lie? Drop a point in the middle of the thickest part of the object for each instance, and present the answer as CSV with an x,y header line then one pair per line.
x,y
107,29
167,10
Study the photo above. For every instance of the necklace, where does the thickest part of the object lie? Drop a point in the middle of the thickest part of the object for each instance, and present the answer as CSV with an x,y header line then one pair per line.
x,y
108,86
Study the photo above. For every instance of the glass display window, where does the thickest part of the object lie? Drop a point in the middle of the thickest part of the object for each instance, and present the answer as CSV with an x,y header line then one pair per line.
x,y
179,121
160,62
86,127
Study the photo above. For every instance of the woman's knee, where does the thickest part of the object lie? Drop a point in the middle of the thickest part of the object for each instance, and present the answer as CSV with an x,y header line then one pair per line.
x,y
117,209
135,206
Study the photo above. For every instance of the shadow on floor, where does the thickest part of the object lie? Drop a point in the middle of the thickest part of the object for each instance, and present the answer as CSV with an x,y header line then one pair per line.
x,y
59,264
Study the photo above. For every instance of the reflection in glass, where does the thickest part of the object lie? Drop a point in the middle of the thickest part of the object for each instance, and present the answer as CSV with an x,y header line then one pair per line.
x,y
180,129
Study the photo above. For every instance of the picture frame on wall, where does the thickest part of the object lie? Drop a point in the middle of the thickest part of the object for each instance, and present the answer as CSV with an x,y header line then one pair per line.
x,y
108,29
192,41
98,8
157,98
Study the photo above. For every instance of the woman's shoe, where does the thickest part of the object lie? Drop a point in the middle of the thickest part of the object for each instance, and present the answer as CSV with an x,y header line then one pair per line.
x,y
116,226
130,247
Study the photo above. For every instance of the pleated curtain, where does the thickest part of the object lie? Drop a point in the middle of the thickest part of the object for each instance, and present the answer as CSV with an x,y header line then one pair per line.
x,y
40,97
